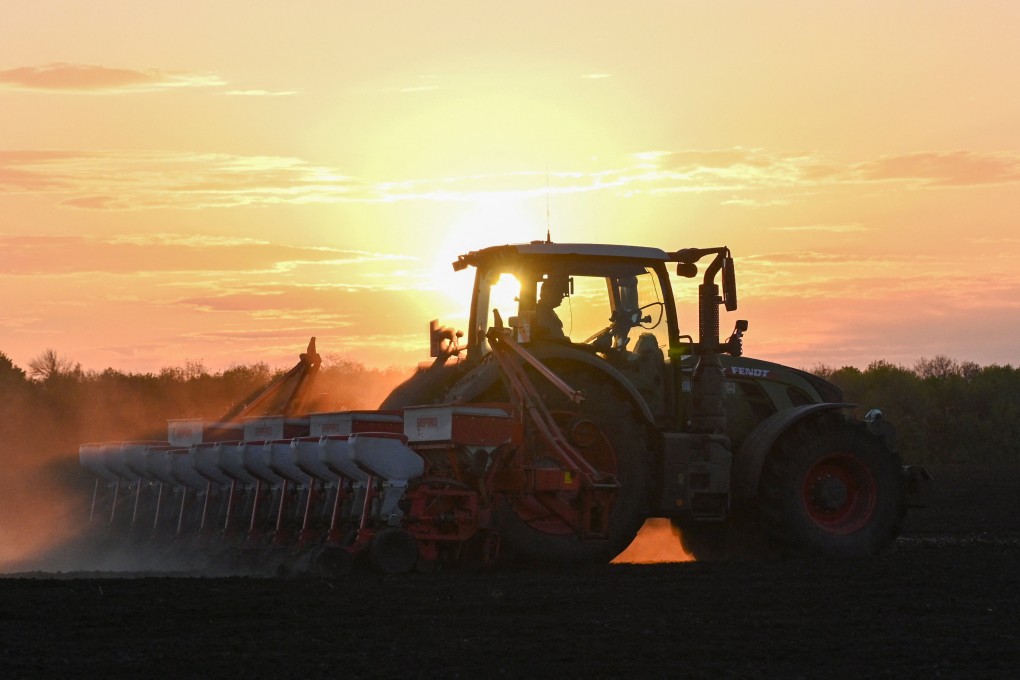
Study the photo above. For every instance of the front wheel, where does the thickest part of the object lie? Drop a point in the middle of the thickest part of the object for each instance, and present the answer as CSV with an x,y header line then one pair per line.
x,y
832,488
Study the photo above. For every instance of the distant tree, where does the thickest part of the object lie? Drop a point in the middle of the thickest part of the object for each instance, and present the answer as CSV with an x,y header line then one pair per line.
x,y
970,370
248,376
194,369
50,365
945,411
9,372
939,367
990,423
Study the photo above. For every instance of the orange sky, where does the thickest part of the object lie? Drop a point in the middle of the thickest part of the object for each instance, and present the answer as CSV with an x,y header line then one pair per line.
x,y
218,181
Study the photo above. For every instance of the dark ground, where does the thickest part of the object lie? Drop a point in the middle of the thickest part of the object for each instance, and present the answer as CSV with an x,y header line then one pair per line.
x,y
944,603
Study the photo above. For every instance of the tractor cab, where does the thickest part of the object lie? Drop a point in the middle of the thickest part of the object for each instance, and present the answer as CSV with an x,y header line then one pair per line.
x,y
616,302
610,299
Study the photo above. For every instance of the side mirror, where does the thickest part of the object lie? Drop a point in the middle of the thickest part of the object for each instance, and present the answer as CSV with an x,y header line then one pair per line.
x,y
729,284
735,344
688,270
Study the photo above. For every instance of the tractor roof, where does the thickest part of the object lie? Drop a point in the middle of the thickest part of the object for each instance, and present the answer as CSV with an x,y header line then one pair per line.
x,y
544,248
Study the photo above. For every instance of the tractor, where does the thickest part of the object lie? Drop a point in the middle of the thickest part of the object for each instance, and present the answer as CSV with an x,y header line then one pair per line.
x,y
576,406
746,457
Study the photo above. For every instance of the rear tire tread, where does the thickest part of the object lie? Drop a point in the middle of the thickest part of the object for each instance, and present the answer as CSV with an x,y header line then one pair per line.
x,y
788,526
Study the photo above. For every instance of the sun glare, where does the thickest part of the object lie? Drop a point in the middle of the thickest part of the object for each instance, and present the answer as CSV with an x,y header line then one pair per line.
x,y
487,220
495,219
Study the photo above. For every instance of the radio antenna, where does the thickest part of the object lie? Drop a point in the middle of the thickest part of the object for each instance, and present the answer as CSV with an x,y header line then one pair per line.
x,y
548,236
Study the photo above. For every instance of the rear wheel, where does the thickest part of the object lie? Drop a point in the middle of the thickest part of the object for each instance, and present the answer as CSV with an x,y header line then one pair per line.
x,y
545,525
832,488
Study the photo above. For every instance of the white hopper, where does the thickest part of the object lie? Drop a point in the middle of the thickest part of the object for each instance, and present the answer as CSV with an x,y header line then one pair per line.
x,y
308,458
183,468
158,465
135,457
386,456
114,457
257,459
93,458
336,455
284,460
231,461
206,459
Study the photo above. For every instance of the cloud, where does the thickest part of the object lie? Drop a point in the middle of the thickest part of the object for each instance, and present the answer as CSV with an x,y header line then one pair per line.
x,y
95,202
743,170
990,241
851,279
423,83
827,228
753,178
140,180
750,177
149,297
27,170
747,202
204,258
313,308
896,318
259,93
416,88
190,240
957,168
712,158
717,170
66,77
805,257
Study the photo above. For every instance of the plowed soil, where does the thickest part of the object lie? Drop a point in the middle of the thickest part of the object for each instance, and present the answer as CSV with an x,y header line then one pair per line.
x,y
943,603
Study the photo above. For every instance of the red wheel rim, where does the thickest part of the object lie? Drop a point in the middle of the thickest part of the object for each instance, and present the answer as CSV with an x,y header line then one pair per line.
x,y
839,493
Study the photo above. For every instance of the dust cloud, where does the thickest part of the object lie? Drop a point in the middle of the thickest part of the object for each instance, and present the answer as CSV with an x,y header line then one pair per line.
x,y
38,511
45,495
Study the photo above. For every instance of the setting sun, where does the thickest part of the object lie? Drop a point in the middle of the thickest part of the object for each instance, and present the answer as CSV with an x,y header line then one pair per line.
x,y
490,219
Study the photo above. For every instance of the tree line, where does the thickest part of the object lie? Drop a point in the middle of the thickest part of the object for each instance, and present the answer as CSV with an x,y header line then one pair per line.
x,y
944,411
55,406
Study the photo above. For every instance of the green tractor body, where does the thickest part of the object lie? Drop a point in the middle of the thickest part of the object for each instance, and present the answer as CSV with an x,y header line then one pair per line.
x,y
745,456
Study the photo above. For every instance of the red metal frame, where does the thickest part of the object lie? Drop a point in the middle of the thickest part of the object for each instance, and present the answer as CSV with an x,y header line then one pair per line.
x,y
597,488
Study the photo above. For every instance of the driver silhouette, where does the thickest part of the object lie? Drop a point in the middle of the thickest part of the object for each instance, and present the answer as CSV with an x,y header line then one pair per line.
x,y
553,290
